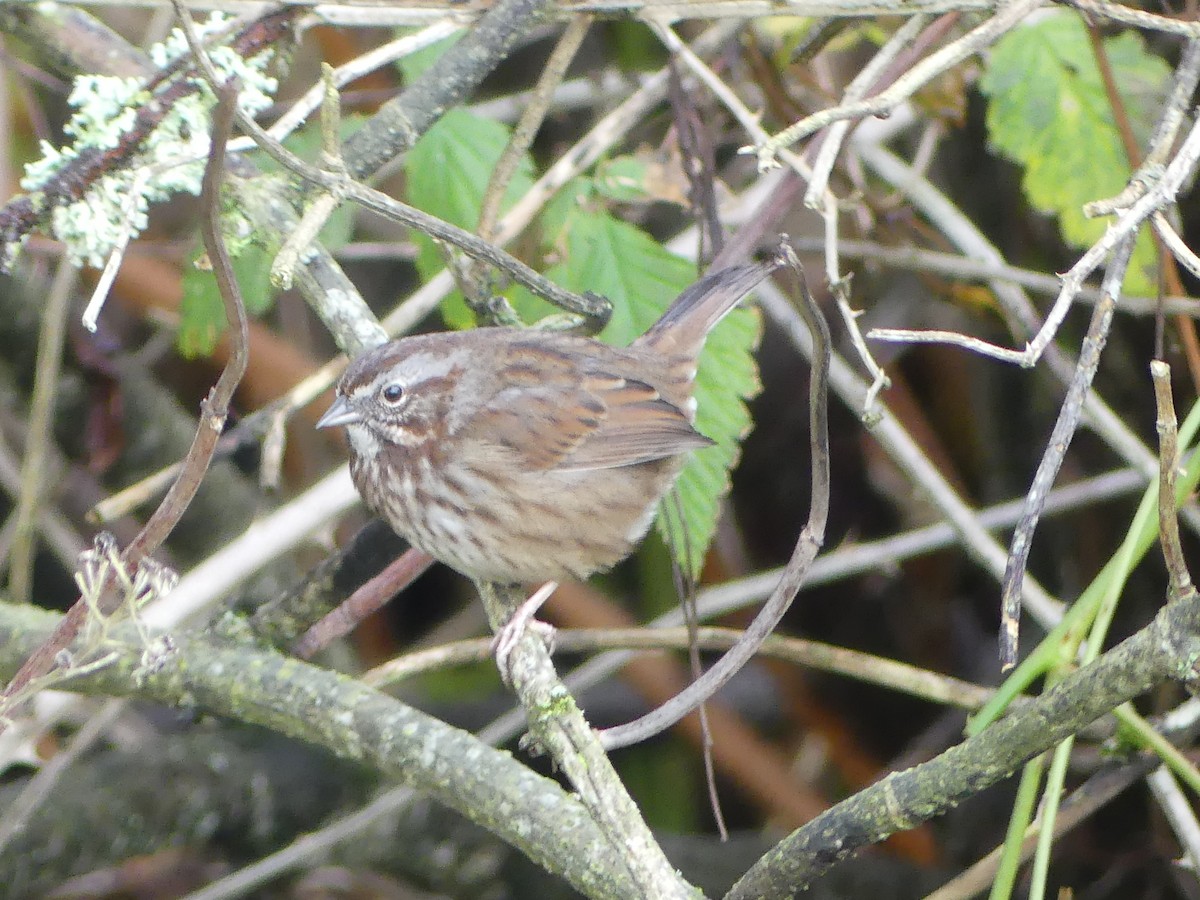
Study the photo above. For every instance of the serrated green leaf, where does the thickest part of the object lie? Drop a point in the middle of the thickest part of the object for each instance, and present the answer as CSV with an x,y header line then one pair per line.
x,y
447,173
641,278
1048,111
201,311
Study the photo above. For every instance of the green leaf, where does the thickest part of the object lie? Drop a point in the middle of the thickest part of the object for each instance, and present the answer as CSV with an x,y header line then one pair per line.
x,y
625,179
641,278
447,174
415,64
201,311
576,194
1048,111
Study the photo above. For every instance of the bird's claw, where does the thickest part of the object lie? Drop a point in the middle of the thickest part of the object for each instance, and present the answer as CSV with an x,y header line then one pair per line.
x,y
522,619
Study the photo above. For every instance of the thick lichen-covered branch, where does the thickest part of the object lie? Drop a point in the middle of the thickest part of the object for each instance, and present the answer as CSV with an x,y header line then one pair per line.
x,y
488,786
1169,647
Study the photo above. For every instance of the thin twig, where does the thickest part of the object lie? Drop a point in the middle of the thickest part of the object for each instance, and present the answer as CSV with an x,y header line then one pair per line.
x,y
1177,809
807,545
358,67
917,259
518,145
1169,122
369,598
904,87
864,667
213,411
527,126
1168,449
326,202
1128,15
1060,439
866,79
698,162
39,437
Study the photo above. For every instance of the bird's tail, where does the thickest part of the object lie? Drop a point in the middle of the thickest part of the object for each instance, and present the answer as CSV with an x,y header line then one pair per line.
x,y
694,313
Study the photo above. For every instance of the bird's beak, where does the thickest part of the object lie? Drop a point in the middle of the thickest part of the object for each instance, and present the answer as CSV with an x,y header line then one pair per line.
x,y
340,413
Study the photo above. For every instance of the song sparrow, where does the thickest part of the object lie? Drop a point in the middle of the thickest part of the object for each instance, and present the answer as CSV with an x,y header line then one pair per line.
x,y
520,456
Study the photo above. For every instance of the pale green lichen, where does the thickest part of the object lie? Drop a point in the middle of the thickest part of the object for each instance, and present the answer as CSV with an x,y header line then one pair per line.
x,y
170,160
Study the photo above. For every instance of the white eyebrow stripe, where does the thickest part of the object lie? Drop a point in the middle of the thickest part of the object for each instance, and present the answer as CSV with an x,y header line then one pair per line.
x,y
411,370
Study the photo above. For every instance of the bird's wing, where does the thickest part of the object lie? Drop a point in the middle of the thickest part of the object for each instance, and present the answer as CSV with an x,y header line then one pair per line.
x,y
579,423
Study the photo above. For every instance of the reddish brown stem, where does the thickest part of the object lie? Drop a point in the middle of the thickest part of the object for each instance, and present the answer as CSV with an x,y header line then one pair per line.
x,y
367,599
213,411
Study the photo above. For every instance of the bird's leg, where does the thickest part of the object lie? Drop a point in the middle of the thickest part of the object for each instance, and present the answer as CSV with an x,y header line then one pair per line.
x,y
522,618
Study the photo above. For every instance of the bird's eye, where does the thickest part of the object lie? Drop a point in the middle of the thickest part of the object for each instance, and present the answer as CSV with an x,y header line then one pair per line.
x,y
393,393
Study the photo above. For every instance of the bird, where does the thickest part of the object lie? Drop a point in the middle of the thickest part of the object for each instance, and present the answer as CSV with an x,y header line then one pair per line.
x,y
520,456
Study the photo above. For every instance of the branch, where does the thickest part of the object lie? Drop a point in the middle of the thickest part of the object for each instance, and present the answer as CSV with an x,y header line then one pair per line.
x,y
558,726
213,411
1165,649
529,811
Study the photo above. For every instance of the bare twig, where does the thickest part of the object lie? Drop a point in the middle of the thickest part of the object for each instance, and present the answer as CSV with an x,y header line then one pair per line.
x,y
904,87
386,206
694,140
41,416
1056,451
1170,120
1173,242
358,67
866,79
213,411
326,202
1179,813
917,259
1168,449
1128,15
860,666
518,144
807,545
527,126
367,599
